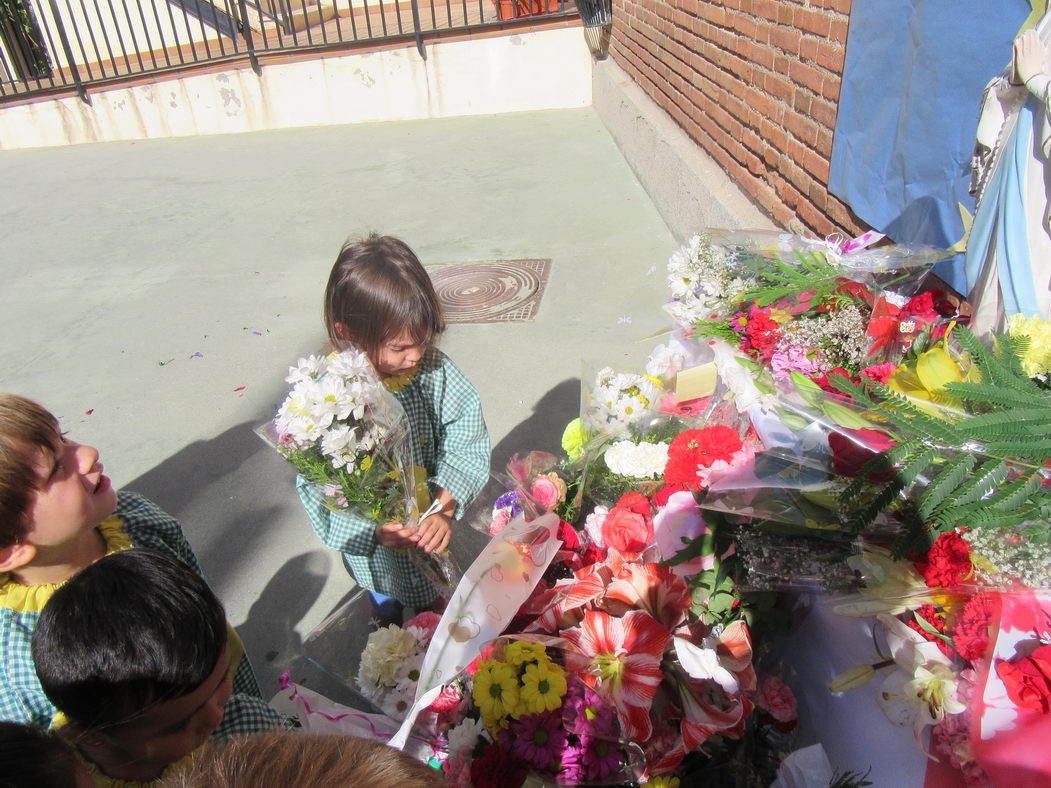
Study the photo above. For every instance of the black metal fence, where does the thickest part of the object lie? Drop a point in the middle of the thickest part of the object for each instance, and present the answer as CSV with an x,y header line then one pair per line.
x,y
55,45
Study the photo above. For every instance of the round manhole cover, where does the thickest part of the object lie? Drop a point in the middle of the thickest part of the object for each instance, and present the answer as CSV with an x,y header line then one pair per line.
x,y
499,290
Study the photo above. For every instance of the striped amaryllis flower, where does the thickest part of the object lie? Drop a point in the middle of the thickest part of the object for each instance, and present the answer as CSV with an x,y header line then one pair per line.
x,y
620,659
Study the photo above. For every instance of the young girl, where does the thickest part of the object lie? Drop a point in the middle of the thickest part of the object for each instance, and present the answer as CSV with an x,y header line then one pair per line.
x,y
380,299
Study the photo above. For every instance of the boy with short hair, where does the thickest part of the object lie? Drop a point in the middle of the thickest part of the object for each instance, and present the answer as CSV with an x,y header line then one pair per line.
x,y
58,514
134,652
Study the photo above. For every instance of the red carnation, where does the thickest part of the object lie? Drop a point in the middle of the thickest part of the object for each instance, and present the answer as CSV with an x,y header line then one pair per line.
x,y
763,333
936,620
970,632
695,448
947,563
660,498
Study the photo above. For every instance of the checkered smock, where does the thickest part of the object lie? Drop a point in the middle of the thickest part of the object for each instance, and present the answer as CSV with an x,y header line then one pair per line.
x,y
136,522
449,439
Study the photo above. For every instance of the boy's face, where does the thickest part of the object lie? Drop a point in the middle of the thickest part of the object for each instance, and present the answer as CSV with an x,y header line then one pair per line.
x,y
170,730
399,355
74,495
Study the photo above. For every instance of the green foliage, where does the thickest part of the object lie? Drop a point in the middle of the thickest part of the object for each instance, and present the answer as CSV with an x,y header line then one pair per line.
x,y
812,272
978,471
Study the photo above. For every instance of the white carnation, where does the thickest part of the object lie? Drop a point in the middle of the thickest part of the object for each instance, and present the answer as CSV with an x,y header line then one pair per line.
x,y
637,460
464,736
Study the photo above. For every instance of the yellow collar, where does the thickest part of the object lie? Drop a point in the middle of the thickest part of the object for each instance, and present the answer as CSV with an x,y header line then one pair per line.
x,y
104,781
31,599
398,382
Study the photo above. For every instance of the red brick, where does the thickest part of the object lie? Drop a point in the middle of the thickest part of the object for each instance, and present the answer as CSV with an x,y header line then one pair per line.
x,y
784,14
823,112
786,39
807,76
830,57
765,8
830,88
778,87
838,31
811,21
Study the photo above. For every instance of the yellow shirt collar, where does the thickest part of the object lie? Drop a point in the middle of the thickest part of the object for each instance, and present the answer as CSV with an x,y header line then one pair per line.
x,y
31,599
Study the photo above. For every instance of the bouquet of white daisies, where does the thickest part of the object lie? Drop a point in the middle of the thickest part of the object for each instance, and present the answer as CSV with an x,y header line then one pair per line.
x,y
343,431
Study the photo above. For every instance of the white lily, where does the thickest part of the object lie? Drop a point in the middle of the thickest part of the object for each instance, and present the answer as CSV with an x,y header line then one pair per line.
x,y
890,586
922,690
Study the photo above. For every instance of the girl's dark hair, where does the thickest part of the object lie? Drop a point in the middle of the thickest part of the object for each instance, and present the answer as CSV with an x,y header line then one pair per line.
x,y
377,289
133,629
30,758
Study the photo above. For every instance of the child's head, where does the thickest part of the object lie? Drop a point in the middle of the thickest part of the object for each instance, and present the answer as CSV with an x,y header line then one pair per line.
x,y
133,650
380,299
51,489
291,760
30,758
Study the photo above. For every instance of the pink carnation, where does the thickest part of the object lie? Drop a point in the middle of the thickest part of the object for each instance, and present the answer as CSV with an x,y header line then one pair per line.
x,y
501,517
458,771
427,621
777,699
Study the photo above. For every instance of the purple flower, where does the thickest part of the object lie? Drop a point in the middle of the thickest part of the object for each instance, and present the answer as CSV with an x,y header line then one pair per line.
x,y
538,738
571,763
601,757
585,713
509,499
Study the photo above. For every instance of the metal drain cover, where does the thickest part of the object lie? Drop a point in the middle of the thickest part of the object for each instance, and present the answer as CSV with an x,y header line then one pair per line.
x,y
490,291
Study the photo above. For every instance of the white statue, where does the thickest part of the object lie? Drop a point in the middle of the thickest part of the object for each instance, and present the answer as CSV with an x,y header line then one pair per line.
x,y
1008,262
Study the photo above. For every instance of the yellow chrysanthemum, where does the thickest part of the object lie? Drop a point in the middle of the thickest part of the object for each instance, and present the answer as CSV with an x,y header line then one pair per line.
x,y
663,782
495,689
398,382
1037,359
519,652
542,689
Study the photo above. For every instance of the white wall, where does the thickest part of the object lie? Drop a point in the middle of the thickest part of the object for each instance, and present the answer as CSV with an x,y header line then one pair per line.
x,y
547,69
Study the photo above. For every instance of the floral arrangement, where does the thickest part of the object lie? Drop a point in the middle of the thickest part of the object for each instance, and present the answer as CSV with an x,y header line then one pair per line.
x,y
343,431
390,663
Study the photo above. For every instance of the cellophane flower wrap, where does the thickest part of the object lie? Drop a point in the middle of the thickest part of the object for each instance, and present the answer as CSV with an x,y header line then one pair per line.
x,y
343,431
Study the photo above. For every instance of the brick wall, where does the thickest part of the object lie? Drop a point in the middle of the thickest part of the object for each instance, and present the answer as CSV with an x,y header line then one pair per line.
x,y
756,84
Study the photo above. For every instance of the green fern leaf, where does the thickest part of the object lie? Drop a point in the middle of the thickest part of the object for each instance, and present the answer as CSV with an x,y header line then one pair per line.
x,y
1039,415
996,395
1033,448
944,483
915,465
1014,494
990,520
985,479
876,504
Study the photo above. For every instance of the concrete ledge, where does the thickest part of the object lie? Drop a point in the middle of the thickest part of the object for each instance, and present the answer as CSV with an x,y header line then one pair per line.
x,y
689,189
534,70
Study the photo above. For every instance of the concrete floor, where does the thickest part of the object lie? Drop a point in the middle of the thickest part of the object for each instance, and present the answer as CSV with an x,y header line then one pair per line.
x,y
120,262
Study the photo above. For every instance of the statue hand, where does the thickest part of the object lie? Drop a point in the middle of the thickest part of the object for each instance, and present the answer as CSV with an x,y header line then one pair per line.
x,y
1030,56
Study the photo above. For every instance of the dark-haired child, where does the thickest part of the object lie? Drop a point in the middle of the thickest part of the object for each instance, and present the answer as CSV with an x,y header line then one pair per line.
x,y
58,514
31,758
380,300
134,652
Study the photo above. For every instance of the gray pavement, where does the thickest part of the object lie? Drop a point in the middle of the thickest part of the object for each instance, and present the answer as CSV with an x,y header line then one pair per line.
x,y
121,262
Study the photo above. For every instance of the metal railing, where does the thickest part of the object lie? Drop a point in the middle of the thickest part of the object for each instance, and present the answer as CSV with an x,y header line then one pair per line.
x,y
58,45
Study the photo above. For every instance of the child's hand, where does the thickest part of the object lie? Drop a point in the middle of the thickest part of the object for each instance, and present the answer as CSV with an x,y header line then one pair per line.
x,y
396,536
434,533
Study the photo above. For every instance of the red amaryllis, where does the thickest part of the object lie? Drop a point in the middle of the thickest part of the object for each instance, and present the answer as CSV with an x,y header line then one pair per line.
x,y
655,589
620,659
693,449
947,563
